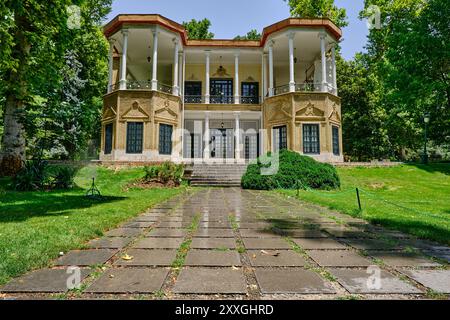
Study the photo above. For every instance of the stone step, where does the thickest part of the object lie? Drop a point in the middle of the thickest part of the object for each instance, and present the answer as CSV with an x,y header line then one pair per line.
x,y
217,175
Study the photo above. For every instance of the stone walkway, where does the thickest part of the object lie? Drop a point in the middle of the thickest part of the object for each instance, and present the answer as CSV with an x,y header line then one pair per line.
x,y
238,244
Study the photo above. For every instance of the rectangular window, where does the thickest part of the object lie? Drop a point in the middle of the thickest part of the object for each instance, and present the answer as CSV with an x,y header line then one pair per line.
x,y
221,91
250,93
336,150
193,92
311,141
279,138
108,138
165,139
135,134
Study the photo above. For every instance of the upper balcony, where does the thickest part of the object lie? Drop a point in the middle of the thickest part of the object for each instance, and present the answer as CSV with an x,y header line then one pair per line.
x,y
150,52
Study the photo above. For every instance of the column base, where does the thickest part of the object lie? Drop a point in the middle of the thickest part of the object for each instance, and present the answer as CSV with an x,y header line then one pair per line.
x,y
155,85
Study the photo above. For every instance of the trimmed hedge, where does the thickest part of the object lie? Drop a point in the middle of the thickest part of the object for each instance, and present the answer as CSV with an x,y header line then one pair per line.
x,y
295,171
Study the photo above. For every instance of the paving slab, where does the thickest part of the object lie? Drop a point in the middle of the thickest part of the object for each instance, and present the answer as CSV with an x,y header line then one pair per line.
x,y
403,259
258,233
291,281
349,233
88,257
440,254
373,244
214,225
338,258
144,257
319,243
437,280
138,224
213,243
167,233
173,219
269,243
275,258
300,233
110,243
129,280
254,225
364,282
158,243
146,219
210,281
170,224
124,232
212,258
44,280
214,233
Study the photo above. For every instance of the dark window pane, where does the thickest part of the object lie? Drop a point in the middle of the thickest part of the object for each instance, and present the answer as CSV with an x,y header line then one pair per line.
x,y
336,150
311,140
108,138
280,138
250,93
165,139
135,132
193,91
221,91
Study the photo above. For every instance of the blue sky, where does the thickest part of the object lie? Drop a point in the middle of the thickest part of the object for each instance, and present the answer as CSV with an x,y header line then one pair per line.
x,y
230,18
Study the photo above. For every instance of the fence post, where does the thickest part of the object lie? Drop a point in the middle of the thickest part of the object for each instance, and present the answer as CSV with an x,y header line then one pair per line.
x,y
359,200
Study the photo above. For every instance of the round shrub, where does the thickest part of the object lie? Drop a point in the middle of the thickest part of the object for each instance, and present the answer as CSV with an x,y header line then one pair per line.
x,y
294,171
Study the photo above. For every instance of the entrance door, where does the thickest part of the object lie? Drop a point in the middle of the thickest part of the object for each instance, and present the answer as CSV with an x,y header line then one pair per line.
x,y
251,146
222,141
221,91
279,138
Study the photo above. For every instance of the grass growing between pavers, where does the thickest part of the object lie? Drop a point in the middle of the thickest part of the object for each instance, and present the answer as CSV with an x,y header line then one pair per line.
x,y
408,198
184,248
36,226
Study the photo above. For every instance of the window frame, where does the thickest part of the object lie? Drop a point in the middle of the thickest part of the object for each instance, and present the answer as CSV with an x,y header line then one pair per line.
x,y
165,142
108,143
137,147
280,137
335,138
308,147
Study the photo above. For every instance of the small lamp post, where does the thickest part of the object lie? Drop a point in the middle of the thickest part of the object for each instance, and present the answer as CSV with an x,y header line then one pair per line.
x,y
426,120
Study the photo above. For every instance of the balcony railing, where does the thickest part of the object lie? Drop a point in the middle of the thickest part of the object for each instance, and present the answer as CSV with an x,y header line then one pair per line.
x,y
143,85
305,87
221,99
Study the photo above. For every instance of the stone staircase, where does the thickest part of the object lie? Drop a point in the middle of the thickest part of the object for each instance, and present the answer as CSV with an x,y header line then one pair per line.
x,y
217,175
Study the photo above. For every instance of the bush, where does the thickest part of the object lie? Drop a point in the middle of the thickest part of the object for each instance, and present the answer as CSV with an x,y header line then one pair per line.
x,y
63,177
38,175
295,171
33,176
165,173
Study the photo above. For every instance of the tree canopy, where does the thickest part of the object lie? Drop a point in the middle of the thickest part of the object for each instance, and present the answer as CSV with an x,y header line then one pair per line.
x,y
251,35
318,9
198,30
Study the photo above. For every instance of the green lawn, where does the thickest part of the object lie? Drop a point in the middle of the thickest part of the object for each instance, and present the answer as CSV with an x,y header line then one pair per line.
x,y
36,226
411,198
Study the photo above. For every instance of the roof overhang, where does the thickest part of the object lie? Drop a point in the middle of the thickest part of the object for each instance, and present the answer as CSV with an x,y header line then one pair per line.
x,y
155,19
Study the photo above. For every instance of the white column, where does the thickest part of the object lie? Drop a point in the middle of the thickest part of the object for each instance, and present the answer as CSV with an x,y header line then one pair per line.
x,y
155,60
206,150
111,64
180,73
123,64
207,93
271,88
237,134
176,88
264,76
333,65
324,62
236,78
291,62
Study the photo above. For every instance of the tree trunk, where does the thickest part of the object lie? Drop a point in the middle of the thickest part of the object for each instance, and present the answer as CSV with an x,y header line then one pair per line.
x,y
13,140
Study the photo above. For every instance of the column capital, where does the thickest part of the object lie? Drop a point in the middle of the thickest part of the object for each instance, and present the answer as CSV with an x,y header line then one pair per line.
x,y
207,53
322,35
237,114
125,32
271,43
111,41
291,35
175,41
237,53
155,30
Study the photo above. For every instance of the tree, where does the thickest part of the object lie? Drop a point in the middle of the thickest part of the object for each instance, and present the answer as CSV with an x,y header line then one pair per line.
x,y
411,57
318,9
35,40
251,35
198,30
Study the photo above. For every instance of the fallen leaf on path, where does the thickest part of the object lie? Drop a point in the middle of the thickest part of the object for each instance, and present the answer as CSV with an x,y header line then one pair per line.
x,y
234,268
270,253
127,257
